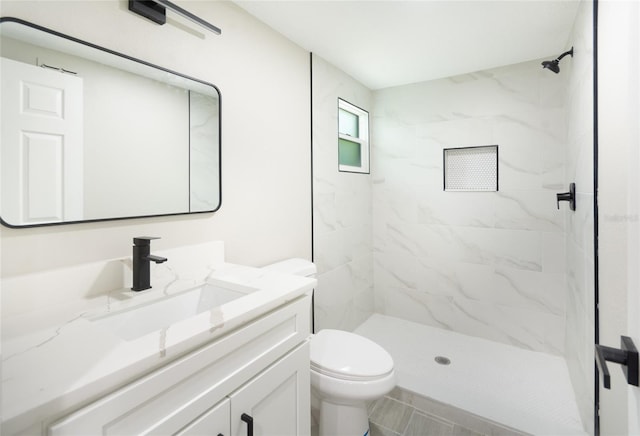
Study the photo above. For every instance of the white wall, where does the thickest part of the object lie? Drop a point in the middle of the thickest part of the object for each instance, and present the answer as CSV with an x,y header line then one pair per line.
x,y
127,157
487,264
618,195
342,209
266,186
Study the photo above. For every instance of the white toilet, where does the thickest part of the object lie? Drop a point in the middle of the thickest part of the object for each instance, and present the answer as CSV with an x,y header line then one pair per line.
x,y
347,371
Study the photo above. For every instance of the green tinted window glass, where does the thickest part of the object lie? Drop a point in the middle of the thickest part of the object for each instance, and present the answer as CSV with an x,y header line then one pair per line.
x,y
349,153
348,123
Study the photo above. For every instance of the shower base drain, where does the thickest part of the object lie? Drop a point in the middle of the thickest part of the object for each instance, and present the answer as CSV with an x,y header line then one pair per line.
x,y
442,360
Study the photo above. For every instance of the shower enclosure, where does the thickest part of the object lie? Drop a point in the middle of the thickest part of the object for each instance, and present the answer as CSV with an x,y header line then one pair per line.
x,y
509,266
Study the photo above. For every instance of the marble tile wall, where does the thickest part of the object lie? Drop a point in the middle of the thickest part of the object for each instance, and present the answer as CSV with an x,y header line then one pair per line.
x,y
506,266
204,146
342,207
579,329
487,264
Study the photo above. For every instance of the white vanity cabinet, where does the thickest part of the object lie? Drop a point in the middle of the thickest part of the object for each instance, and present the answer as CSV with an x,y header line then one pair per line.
x,y
258,372
277,401
214,422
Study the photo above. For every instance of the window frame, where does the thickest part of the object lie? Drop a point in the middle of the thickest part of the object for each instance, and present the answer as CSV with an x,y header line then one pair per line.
x,y
362,139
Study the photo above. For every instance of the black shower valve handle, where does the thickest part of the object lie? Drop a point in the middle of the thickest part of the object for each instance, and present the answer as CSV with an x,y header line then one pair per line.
x,y
563,196
568,196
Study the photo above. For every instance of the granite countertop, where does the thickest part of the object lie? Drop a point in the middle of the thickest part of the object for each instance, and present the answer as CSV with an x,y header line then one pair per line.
x,y
67,360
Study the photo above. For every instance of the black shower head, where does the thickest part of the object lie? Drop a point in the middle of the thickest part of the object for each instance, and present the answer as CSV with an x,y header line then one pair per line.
x,y
554,64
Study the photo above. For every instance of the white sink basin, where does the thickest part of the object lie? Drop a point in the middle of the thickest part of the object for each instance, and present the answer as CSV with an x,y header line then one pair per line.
x,y
133,323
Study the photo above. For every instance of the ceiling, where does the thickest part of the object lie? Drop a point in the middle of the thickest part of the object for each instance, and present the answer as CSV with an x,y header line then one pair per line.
x,y
391,43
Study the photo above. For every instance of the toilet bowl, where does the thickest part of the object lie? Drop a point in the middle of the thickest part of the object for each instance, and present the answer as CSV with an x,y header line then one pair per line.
x,y
347,371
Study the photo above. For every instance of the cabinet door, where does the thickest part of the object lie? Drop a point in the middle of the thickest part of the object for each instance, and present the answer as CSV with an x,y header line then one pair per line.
x,y
214,422
277,400
166,400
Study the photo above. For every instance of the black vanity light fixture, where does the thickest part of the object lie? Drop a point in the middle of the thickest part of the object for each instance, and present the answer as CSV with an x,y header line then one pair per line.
x,y
554,64
156,11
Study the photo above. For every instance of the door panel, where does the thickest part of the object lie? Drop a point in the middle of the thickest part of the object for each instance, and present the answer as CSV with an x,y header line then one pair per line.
x,y
43,171
42,130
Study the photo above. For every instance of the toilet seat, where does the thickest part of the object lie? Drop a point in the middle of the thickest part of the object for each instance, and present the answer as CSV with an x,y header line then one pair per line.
x,y
347,356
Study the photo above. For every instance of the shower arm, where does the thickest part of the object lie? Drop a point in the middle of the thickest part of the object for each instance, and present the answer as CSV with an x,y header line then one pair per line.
x,y
570,52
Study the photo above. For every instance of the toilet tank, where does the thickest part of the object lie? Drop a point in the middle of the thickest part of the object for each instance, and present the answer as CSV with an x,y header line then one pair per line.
x,y
295,266
299,267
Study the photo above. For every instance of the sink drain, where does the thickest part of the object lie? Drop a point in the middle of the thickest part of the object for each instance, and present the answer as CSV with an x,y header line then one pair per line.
x,y
442,360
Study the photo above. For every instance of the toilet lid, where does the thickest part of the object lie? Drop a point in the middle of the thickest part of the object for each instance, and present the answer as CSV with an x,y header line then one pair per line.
x,y
348,356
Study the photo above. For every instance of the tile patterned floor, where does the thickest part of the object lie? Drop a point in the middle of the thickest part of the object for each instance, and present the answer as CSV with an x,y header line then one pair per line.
x,y
403,413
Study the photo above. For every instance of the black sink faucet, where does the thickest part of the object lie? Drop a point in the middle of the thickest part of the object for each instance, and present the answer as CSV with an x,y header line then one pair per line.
x,y
141,266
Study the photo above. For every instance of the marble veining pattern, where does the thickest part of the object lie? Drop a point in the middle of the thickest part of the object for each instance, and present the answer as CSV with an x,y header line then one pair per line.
x,y
580,304
481,263
83,360
342,210
204,146
506,266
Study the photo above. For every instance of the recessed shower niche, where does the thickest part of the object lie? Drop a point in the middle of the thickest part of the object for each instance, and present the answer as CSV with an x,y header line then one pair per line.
x,y
471,168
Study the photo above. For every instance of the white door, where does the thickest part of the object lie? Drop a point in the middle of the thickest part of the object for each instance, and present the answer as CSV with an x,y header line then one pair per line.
x,y
276,402
634,258
41,148
619,202
634,292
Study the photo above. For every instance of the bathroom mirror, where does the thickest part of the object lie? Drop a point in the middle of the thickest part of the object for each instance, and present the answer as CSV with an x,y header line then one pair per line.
x,y
90,134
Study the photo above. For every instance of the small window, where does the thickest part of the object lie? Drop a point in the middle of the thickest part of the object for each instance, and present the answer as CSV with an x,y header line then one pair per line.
x,y
353,138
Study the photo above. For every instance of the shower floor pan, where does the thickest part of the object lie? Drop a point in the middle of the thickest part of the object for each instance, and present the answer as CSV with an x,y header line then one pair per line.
x,y
525,390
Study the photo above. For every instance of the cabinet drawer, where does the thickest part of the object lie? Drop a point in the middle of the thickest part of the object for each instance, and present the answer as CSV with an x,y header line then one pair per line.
x,y
164,401
213,422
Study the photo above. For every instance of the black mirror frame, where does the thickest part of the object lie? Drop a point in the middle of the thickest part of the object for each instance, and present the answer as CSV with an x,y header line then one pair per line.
x,y
80,41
